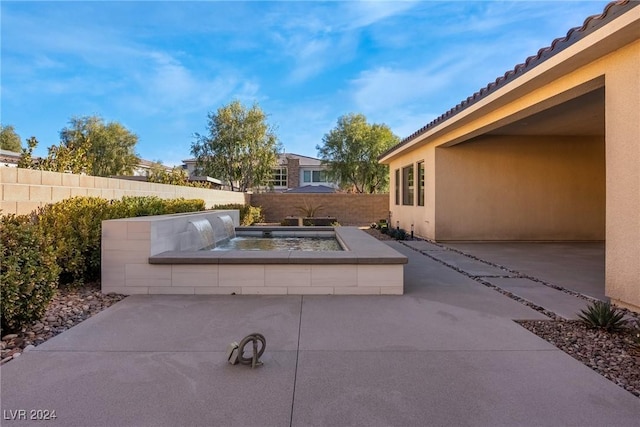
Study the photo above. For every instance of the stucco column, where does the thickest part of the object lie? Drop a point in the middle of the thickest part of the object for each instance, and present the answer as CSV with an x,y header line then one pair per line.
x,y
622,103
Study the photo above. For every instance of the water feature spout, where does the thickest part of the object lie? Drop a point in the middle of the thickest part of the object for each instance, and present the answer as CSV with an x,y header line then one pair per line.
x,y
202,231
223,228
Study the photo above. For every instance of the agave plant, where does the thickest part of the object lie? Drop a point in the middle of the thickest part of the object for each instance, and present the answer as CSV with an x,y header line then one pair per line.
x,y
603,315
635,334
309,210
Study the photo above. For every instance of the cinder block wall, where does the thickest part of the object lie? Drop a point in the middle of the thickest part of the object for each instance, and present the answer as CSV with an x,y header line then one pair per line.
x,y
349,209
24,190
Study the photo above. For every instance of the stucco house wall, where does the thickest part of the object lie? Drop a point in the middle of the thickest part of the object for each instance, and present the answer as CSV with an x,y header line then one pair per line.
x,y
490,177
521,188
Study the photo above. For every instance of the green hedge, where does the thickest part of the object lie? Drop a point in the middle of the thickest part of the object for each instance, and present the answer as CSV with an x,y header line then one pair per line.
x,y
75,225
249,215
28,271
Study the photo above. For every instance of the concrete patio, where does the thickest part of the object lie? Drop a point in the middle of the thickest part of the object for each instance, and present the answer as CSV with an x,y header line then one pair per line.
x,y
445,353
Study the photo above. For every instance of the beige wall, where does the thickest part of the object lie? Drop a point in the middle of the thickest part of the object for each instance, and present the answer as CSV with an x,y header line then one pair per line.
x,y
605,58
422,217
623,180
521,188
349,209
24,190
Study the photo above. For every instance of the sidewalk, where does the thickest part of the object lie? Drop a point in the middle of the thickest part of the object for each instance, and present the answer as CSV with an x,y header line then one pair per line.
x,y
445,353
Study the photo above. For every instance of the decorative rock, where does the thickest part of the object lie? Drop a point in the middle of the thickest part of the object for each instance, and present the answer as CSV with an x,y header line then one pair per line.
x,y
51,319
9,337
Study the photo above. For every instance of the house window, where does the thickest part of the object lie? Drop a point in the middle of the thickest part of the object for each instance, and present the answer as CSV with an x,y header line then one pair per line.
x,y
407,185
421,184
279,178
314,176
397,185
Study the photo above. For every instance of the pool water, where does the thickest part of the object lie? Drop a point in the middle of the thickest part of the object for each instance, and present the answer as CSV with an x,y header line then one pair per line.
x,y
280,244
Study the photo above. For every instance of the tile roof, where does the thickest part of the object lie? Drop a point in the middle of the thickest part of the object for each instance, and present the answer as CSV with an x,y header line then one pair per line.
x,y
592,23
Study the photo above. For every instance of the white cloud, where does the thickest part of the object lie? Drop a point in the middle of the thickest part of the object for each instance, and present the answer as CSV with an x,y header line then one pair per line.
x,y
360,14
318,38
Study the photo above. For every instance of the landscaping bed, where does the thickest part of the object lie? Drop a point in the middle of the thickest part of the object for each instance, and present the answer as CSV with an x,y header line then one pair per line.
x,y
611,354
69,307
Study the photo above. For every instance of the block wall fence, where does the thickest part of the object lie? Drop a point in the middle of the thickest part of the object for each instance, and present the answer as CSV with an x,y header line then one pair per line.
x,y
349,209
25,190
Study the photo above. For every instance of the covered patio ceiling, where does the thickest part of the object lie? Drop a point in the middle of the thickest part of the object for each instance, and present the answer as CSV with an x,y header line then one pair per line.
x,y
580,116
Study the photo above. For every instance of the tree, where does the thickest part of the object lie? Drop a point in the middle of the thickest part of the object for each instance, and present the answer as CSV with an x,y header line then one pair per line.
x,y
241,147
26,160
176,176
9,139
351,151
90,146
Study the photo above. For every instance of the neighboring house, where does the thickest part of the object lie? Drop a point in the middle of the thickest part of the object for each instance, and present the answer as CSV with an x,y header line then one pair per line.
x,y
190,166
144,166
301,174
294,171
9,158
549,151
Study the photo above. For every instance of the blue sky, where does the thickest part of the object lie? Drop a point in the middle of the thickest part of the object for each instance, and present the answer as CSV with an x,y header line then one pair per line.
x,y
160,67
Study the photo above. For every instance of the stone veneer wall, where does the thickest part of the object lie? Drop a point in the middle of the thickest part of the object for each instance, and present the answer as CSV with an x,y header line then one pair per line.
x,y
349,209
293,173
24,190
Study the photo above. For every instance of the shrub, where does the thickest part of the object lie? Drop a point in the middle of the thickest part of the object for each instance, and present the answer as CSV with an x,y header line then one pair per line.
x,y
129,207
400,234
309,210
182,205
75,225
249,215
603,315
28,271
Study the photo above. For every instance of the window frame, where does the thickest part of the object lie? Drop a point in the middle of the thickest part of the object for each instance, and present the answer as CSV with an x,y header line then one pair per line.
x,y
420,183
397,186
408,185
283,174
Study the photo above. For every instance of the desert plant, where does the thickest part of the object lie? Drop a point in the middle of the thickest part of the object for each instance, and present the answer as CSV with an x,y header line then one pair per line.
x,y
309,210
28,271
400,234
603,315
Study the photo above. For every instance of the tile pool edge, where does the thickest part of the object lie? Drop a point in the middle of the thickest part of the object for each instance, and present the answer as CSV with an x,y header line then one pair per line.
x,y
360,248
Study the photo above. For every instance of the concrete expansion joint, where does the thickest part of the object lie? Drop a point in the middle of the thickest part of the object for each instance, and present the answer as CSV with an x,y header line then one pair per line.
x,y
512,275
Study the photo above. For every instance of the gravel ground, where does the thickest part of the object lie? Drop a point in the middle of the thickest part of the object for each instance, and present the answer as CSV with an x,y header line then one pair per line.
x,y
611,354
614,355
68,308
